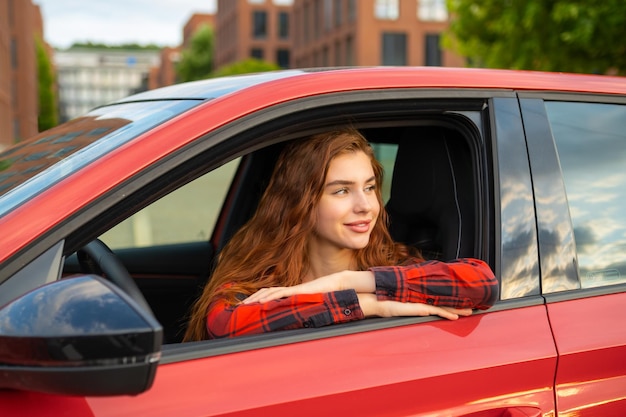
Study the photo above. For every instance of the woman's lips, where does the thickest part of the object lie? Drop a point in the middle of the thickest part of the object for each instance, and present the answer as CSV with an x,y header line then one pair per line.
x,y
359,226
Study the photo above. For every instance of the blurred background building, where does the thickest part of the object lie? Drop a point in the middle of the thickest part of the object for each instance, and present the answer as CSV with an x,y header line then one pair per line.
x,y
20,28
284,33
369,32
165,73
257,29
91,77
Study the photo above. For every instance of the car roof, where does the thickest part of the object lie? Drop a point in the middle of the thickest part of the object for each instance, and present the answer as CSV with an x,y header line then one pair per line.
x,y
397,77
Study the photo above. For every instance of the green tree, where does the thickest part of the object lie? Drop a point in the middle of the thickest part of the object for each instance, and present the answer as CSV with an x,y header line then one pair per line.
x,y
196,61
245,67
585,36
48,115
123,46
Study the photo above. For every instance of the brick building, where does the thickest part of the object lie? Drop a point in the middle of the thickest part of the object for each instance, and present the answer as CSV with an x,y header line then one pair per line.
x,y
253,29
319,33
20,24
370,32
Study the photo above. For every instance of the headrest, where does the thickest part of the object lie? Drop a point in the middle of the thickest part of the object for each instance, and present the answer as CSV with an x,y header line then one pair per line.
x,y
424,207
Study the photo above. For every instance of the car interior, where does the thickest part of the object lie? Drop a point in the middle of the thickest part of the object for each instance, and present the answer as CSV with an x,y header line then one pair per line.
x,y
432,200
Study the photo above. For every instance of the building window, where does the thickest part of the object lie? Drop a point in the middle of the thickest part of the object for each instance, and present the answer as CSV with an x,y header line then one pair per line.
x,y
283,2
394,49
307,22
349,51
10,13
283,25
256,53
325,56
386,9
317,19
256,1
338,13
16,130
432,10
259,24
433,51
351,10
282,58
328,15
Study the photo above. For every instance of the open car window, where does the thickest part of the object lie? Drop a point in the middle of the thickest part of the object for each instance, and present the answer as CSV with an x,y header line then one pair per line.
x,y
432,191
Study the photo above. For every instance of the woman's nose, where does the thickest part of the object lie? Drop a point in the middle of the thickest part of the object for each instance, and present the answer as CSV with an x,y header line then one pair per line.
x,y
362,203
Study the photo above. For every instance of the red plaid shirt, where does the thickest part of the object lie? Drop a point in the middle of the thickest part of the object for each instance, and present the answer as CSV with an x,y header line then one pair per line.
x,y
462,283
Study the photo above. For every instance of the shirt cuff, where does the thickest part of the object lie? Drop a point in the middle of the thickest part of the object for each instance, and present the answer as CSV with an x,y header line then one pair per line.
x,y
342,307
389,284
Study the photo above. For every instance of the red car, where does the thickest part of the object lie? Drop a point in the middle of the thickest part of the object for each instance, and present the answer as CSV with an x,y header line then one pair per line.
x,y
523,170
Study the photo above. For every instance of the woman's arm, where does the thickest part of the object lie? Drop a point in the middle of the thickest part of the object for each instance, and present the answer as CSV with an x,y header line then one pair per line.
x,y
462,283
298,311
316,309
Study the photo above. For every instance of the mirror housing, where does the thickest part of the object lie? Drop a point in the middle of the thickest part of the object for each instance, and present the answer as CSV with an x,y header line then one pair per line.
x,y
78,336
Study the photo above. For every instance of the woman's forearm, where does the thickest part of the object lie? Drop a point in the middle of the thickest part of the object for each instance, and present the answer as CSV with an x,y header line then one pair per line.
x,y
363,282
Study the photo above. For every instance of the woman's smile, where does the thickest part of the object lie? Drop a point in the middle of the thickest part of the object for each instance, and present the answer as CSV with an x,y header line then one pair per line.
x,y
360,226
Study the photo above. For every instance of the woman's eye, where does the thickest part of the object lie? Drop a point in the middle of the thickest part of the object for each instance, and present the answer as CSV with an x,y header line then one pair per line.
x,y
370,188
341,191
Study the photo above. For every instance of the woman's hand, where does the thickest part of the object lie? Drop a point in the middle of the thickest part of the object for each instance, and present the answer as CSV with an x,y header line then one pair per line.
x,y
396,308
371,306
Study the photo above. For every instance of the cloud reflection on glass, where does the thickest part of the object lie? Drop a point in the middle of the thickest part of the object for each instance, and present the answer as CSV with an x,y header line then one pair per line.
x,y
591,142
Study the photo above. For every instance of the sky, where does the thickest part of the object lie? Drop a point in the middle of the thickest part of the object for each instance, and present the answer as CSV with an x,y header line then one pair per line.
x,y
114,22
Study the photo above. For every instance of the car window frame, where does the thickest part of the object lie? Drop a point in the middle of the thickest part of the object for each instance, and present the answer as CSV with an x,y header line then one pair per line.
x,y
261,129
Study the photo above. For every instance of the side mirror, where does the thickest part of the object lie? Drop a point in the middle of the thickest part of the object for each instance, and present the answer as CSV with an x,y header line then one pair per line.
x,y
78,336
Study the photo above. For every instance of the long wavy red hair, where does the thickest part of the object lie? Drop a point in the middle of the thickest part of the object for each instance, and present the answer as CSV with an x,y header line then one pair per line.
x,y
270,249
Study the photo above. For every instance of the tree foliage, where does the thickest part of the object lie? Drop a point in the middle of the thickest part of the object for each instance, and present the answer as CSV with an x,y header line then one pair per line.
x,y
245,67
48,115
585,36
196,61
124,46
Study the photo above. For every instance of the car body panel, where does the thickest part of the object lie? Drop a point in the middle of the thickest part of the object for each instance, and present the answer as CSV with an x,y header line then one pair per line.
x,y
358,374
591,341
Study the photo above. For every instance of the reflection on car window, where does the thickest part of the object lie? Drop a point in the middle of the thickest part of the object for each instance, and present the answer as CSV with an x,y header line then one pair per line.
x,y
64,150
185,215
591,142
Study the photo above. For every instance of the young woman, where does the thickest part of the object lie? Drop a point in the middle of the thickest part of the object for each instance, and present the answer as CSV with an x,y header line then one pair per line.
x,y
317,252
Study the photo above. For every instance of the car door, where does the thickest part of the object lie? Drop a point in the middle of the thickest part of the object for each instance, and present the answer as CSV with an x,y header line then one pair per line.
x,y
502,361
578,147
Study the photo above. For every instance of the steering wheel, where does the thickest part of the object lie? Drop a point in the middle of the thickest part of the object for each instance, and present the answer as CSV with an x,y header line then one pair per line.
x,y
97,258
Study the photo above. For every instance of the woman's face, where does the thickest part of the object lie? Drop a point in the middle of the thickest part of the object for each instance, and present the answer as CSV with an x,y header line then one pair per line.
x,y
348,209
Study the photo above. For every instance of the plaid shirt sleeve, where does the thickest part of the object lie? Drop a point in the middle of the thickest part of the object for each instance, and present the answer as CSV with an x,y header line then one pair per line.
x,y
462,283
297,311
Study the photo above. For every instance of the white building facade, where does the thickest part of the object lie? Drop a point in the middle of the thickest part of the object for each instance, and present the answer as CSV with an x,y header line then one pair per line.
x,y
91,77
